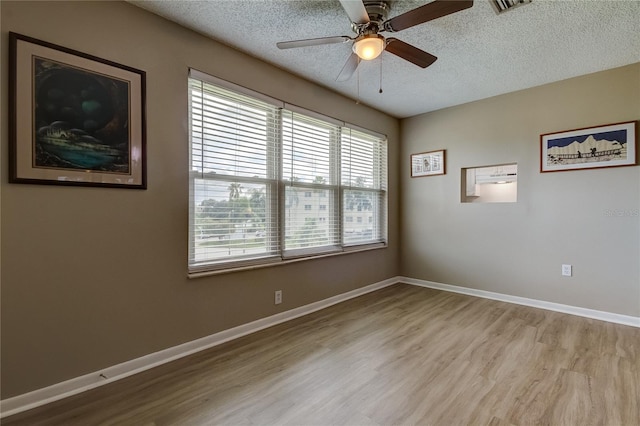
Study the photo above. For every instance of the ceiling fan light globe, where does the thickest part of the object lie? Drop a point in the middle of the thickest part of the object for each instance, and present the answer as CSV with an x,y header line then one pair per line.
x,y
369,47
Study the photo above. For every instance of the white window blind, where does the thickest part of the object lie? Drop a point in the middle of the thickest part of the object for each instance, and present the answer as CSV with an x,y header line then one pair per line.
x,y
268,183
234,170
364,182
310,164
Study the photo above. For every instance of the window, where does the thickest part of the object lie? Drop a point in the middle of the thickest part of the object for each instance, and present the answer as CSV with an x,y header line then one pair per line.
x,y
252,160
364,179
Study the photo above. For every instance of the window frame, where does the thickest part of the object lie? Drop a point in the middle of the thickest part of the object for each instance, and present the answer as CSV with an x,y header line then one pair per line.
x,y
275,188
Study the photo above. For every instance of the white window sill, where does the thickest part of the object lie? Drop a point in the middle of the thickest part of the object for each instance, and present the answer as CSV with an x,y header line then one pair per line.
x,y
279,261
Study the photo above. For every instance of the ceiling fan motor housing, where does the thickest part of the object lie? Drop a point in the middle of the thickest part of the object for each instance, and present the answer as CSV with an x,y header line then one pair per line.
x,y
378,12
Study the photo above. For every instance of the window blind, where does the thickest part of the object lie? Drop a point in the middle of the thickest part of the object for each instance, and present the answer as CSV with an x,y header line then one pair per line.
x,y
310,167
234,167
271,181
364,182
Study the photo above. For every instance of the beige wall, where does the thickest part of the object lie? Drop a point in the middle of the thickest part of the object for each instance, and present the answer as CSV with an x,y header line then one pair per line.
x,y
569,217
92,277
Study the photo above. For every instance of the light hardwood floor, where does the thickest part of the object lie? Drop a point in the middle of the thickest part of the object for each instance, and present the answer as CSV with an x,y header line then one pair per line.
x,y
400,355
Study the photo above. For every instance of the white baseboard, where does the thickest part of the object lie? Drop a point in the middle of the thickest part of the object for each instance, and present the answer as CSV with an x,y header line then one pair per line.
x,y
89,381
550,306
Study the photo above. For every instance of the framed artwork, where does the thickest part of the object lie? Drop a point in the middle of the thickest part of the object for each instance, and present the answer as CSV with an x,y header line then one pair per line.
x,y
75,119
428,163
610,145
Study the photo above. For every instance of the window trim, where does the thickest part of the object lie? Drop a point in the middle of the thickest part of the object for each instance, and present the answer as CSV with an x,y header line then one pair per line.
x,y
202,272
283,256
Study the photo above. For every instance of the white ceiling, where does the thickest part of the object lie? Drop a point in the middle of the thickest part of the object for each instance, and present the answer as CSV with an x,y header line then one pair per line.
x,y
480,54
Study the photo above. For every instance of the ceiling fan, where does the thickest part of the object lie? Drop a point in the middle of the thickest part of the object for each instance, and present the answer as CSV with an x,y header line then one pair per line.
x,y
369,19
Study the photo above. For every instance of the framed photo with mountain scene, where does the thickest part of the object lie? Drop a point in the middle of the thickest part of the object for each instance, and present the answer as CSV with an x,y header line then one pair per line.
x,y
75,119
610,145
428,163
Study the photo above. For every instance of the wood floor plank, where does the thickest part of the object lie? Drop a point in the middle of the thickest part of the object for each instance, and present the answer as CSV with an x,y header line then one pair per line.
x,y
400,355
574,402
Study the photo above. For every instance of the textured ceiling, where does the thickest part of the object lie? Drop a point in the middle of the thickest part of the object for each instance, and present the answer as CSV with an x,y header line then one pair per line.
x,y
480,54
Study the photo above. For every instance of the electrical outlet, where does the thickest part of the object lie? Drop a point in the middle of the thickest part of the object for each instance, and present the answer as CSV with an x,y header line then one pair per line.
x,y
566,270
278,297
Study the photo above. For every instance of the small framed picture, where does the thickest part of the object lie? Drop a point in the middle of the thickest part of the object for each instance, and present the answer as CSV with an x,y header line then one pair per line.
x,y
610,145
75,119
428,163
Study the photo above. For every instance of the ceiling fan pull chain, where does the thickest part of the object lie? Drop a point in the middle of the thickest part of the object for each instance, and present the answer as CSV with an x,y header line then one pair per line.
x,y
357,86
380,91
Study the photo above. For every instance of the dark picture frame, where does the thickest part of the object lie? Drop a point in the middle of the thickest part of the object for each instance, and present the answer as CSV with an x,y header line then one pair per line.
x,y
609,145
428,163
75,119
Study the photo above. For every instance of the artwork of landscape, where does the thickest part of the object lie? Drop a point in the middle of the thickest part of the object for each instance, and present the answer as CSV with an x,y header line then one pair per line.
x,y
75,119
81,119
597,147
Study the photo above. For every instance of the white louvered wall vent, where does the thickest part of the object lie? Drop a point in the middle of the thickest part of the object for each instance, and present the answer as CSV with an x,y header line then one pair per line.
x,y
502,6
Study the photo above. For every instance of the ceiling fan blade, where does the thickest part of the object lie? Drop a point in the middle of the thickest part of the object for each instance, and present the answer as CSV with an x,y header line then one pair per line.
x,y
349,68
355,10
435,9
409,53
312,42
